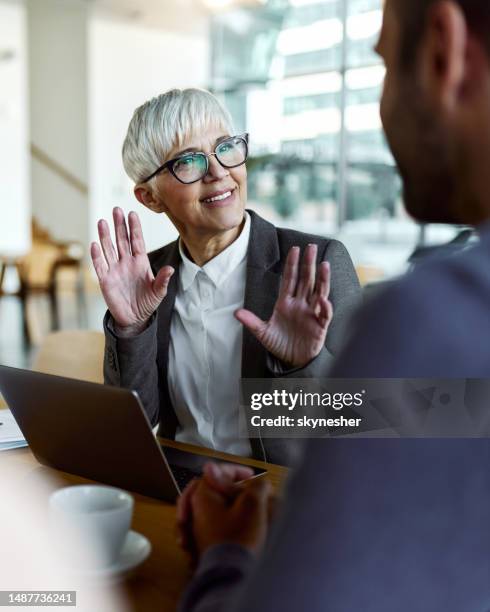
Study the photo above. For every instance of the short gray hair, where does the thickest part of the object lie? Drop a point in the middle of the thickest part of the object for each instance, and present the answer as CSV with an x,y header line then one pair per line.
x,y
165,122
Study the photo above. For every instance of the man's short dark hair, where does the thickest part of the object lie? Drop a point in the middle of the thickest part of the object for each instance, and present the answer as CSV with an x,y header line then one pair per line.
x,y
412,18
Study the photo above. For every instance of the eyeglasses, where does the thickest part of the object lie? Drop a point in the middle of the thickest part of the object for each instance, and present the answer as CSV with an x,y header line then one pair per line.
x,y
192,167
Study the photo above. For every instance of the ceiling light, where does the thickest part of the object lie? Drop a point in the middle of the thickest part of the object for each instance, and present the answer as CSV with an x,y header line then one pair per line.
x,y
216,5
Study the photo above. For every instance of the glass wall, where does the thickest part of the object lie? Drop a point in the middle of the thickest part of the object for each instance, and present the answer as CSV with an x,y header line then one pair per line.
x,y
303,78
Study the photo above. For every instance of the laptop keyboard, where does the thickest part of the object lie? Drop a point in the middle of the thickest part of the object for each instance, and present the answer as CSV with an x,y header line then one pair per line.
x,y
183,475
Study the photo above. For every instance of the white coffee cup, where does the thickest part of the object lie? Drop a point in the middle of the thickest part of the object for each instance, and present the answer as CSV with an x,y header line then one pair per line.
x,y
92,521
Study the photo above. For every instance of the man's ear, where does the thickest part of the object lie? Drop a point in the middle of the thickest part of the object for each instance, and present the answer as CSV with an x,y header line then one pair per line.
x,y
443,54
145,196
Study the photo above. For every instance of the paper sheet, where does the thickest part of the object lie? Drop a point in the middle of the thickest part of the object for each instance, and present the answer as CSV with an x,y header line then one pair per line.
x,y
10,434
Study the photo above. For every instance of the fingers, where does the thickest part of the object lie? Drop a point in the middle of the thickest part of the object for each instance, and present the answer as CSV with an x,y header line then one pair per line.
x,y
121,231
255,325
160,284
205,499
307,284
290,274
225,478
122,238
323,311
136,235
106,242
243,520
307,273
100,264
323,280
184,502
319,301
328,311
184,518
235,473
255,498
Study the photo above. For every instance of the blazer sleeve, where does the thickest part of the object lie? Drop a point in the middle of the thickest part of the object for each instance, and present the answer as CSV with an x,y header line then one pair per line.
x,y
132,363
218,579
345,296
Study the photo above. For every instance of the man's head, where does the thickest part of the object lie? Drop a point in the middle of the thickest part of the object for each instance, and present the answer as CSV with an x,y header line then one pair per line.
x,y
435,106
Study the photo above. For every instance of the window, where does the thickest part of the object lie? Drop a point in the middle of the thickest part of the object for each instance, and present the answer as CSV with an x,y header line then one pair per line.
x,y
319,157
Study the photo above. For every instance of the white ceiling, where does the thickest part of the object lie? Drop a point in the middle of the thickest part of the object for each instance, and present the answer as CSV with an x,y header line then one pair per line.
x,y
176,15
184,16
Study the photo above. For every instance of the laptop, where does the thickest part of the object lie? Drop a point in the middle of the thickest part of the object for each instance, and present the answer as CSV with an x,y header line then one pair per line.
x,y
96,431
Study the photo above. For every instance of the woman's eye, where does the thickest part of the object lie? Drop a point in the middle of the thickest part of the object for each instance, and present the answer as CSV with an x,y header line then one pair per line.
x,y
225,148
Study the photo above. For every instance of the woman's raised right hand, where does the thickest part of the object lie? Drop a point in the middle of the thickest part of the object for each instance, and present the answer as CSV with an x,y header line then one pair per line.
x,y
131,291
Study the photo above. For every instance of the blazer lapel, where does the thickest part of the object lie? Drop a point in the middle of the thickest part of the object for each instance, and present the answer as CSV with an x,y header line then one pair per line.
x,y
171,258
261,290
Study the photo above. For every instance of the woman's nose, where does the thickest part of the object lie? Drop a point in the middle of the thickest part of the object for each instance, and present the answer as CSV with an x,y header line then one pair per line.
x,y
215,171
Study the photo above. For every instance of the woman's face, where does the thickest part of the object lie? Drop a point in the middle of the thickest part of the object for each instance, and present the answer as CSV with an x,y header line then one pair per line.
x,y
190,207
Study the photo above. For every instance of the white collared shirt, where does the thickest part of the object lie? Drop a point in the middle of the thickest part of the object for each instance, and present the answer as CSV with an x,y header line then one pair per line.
x,y
205,351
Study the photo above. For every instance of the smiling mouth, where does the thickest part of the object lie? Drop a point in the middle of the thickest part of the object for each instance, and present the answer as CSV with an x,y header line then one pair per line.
x,y
218,198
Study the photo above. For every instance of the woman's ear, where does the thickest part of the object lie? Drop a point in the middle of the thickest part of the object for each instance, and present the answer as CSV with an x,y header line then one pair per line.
x,y
145,195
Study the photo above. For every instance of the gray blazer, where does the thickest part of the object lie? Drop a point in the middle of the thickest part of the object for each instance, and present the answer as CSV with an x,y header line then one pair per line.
x,y
141,363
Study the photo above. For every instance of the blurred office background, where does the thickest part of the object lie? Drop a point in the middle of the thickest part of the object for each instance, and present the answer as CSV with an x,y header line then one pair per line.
x,y
300,76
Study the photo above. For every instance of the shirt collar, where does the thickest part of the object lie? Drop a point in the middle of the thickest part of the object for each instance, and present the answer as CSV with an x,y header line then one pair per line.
x,y
221,266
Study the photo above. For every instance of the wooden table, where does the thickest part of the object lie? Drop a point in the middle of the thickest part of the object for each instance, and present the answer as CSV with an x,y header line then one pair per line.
x,y
158,583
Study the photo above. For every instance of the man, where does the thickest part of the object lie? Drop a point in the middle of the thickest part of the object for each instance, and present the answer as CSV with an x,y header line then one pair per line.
x,y
387,524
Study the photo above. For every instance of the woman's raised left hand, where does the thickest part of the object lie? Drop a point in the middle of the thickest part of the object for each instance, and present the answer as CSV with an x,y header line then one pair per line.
x,y
296,331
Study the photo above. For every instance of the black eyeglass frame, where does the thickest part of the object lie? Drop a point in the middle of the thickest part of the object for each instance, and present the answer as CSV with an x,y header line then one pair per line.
x,y
169,164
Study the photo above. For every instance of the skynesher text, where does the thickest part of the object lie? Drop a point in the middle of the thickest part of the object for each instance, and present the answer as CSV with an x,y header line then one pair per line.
x,y
311,423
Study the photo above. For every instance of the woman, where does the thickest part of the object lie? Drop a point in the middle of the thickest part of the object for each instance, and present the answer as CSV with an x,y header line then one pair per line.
x,y
188,320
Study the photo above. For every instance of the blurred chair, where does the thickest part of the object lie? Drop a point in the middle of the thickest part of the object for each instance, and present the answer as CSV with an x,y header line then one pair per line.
x,y
369,274
38,273
74,354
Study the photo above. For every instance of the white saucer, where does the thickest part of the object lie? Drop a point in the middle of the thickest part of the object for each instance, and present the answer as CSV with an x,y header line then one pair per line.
x,y
135,550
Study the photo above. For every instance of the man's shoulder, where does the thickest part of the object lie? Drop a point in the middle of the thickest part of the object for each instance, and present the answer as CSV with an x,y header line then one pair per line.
x,y
442,292
464,277
432,322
